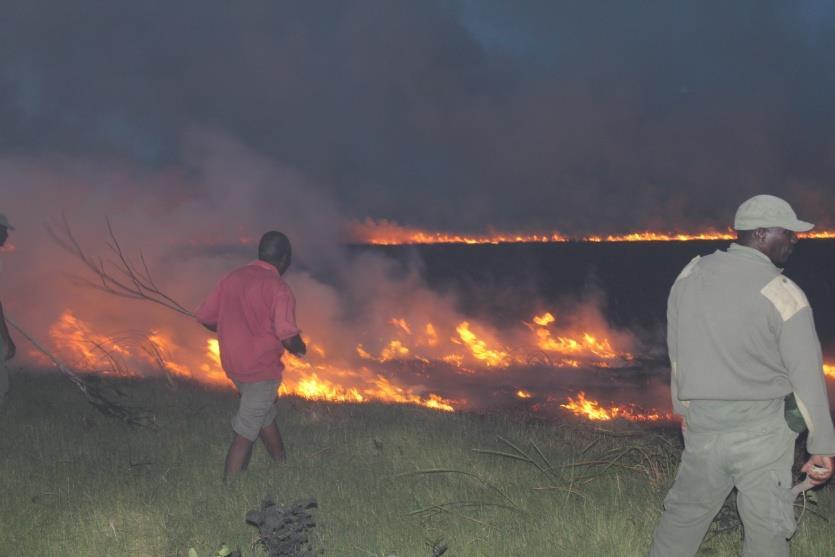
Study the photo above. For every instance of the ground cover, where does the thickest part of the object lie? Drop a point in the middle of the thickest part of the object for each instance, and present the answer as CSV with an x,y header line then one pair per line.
x,y
389,480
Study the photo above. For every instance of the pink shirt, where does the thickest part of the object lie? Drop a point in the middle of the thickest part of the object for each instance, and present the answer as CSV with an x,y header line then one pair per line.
x,y
254,310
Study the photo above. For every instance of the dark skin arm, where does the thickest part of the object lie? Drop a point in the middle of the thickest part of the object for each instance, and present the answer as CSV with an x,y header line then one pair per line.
x,y
295,345
7,338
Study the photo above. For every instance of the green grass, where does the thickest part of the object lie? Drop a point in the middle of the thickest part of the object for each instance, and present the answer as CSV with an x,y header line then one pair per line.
x,y
390,480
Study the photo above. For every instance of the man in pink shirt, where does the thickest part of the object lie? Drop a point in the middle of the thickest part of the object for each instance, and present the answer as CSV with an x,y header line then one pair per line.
x,y
253,312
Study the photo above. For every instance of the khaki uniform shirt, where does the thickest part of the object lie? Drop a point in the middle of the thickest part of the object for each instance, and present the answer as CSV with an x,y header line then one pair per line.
x,y
737,329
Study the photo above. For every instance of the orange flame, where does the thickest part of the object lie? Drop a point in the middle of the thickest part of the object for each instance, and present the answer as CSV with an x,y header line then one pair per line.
x,y
388,233
319,376
585,343
591,409
479,349
79,346
829,370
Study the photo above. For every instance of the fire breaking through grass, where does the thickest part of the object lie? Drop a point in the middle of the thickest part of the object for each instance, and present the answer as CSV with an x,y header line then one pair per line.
x,y
376,374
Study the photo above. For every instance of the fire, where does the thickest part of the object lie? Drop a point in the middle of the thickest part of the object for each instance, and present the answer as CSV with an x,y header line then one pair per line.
x,y
388,233
363,375
591,409
584,343
479,348
829,370
84,349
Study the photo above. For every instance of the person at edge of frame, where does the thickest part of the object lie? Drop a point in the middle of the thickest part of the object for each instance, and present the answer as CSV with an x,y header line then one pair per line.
x,y
252,310
741,341
7,345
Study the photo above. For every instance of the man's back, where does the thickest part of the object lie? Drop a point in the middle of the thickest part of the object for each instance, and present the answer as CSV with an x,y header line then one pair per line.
x,y
726,328
254,310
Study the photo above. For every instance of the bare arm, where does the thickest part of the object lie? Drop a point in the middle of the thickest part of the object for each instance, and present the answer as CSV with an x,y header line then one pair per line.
x,y
7,338
295,345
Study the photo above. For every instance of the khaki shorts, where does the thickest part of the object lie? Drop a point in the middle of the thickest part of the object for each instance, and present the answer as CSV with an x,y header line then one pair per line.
x,y
257,408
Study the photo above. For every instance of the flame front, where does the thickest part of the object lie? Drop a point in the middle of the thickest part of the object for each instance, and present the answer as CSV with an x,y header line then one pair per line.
x,y
369,373
593,410
387,233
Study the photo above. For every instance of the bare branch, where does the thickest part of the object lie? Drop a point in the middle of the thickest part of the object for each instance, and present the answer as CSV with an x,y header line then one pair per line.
x,y
121,277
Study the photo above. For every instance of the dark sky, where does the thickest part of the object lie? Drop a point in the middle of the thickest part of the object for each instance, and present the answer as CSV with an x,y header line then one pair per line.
x,y
461,115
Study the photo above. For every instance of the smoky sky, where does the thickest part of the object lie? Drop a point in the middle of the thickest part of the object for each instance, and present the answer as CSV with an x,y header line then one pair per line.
x,y
582,117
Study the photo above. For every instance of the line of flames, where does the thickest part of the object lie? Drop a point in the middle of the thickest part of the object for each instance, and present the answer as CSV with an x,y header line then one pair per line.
x,y
319,378
387,233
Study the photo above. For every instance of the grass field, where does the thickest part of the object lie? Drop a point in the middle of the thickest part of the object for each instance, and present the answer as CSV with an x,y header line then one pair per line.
x,y
390,480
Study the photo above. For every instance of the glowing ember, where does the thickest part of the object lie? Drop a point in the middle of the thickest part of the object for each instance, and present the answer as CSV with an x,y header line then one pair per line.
x,y
544,320
385,232
522,393
591,409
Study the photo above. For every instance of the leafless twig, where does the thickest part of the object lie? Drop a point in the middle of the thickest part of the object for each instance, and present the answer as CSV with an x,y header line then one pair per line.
x,y
119,276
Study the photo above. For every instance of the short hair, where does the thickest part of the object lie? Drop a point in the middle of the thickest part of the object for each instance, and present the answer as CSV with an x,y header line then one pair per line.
x,y
273,246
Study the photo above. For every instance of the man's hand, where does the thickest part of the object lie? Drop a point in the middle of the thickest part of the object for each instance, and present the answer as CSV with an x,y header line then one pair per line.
x,y
11,349
818,468
295,345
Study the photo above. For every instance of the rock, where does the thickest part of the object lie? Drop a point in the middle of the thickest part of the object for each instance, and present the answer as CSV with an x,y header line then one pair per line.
x,y
284,529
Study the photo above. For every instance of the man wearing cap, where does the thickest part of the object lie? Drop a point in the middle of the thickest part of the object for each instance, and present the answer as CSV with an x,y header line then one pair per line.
x,y
741,338
253,312
7,346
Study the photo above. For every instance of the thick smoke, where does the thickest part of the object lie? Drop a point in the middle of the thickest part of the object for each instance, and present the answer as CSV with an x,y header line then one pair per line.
x,y
195,223
580,117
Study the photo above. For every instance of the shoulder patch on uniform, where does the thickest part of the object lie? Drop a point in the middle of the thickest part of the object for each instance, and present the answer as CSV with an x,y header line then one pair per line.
x,y
786,296
689,268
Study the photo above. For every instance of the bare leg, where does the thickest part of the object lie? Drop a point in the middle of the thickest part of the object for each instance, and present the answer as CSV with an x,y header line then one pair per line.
x,y
273,442
237,457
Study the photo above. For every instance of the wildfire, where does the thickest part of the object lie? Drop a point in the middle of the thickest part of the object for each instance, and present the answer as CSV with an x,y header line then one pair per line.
x,y
388,233
829,370
592,409
585,343
479,349
365,374
82,348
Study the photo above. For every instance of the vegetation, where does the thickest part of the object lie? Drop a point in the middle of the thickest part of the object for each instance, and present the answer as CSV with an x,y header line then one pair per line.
x,y
389,480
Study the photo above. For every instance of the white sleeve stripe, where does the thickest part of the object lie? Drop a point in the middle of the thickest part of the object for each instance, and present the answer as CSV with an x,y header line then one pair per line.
x,y
786,296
